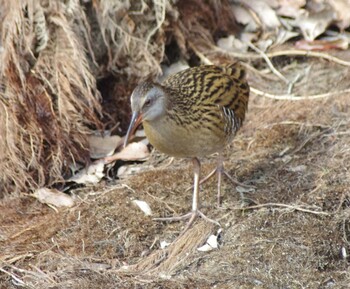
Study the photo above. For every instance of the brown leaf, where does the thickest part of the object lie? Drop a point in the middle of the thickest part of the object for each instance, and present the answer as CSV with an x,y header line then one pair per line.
x,y
314,24
53,197
323,44
265,13
103,146
290,8
132,152
90,175
342,10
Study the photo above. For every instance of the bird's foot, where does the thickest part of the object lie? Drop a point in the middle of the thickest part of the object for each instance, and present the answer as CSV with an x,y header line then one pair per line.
x,y
209,176
219,171
237,182
192,216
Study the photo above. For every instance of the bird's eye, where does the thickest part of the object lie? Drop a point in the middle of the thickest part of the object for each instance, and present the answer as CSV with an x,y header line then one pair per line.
x,y
147,102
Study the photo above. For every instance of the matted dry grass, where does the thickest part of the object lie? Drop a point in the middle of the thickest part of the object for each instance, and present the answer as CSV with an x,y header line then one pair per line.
x,y
48,96
290,232
57,58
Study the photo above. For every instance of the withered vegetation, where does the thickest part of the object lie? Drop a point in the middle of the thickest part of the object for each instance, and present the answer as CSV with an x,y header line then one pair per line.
x,y
54,56
67,68
49,99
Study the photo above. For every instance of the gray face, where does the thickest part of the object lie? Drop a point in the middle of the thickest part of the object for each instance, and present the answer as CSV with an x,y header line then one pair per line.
x,y
149,100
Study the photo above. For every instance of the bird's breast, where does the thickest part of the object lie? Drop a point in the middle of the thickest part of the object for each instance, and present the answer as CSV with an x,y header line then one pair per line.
x,y
191,140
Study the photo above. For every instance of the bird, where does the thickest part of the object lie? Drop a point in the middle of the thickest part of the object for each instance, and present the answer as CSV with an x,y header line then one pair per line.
x,y
192,114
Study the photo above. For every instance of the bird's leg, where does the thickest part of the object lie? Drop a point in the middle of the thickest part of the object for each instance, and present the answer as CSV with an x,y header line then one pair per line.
x,y
219,170
197,171
195,202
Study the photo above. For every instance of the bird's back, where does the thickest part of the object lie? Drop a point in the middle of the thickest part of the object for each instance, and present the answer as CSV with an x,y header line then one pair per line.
x,y
206,105
197,93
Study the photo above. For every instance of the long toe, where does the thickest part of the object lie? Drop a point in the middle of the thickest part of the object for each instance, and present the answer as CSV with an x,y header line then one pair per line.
x,y
192,216
237,182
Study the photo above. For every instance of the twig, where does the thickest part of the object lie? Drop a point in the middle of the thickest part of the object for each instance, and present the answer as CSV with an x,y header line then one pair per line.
x,y
14,277
309,53
299,123
15,258
283,206
268,61
24,231
296,52
292,83
297,97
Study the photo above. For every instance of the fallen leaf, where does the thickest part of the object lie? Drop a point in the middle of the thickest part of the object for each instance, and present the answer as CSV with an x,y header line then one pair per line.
x,y
342,10
248,37
284,35
53,197
164,244
263,45
290,8
243,17
132,152
314,24
102,146
323,44
90,175
266,14
232,44
128,170
143,206
211,243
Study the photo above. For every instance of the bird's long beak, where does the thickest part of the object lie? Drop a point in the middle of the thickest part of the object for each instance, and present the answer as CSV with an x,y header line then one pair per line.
x,y
136,119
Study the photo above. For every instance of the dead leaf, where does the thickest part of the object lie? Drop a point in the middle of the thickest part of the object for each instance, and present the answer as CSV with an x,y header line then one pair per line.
x,y
248,37
232,44
134,151
323,44
290,8
211,243
164,244
266,14
128,170
243,17
284,35
143,206
314,24
263,45
53,197
91,174
102,146
342,10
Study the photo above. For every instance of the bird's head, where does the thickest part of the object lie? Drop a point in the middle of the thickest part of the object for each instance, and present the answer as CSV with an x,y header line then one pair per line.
x,y
148,103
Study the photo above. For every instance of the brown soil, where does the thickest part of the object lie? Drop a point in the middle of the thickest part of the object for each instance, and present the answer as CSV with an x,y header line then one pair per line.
x,y
289,232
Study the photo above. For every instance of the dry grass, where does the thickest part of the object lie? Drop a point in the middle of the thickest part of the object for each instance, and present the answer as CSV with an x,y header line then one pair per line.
x,y
54,56
48,94
289,233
